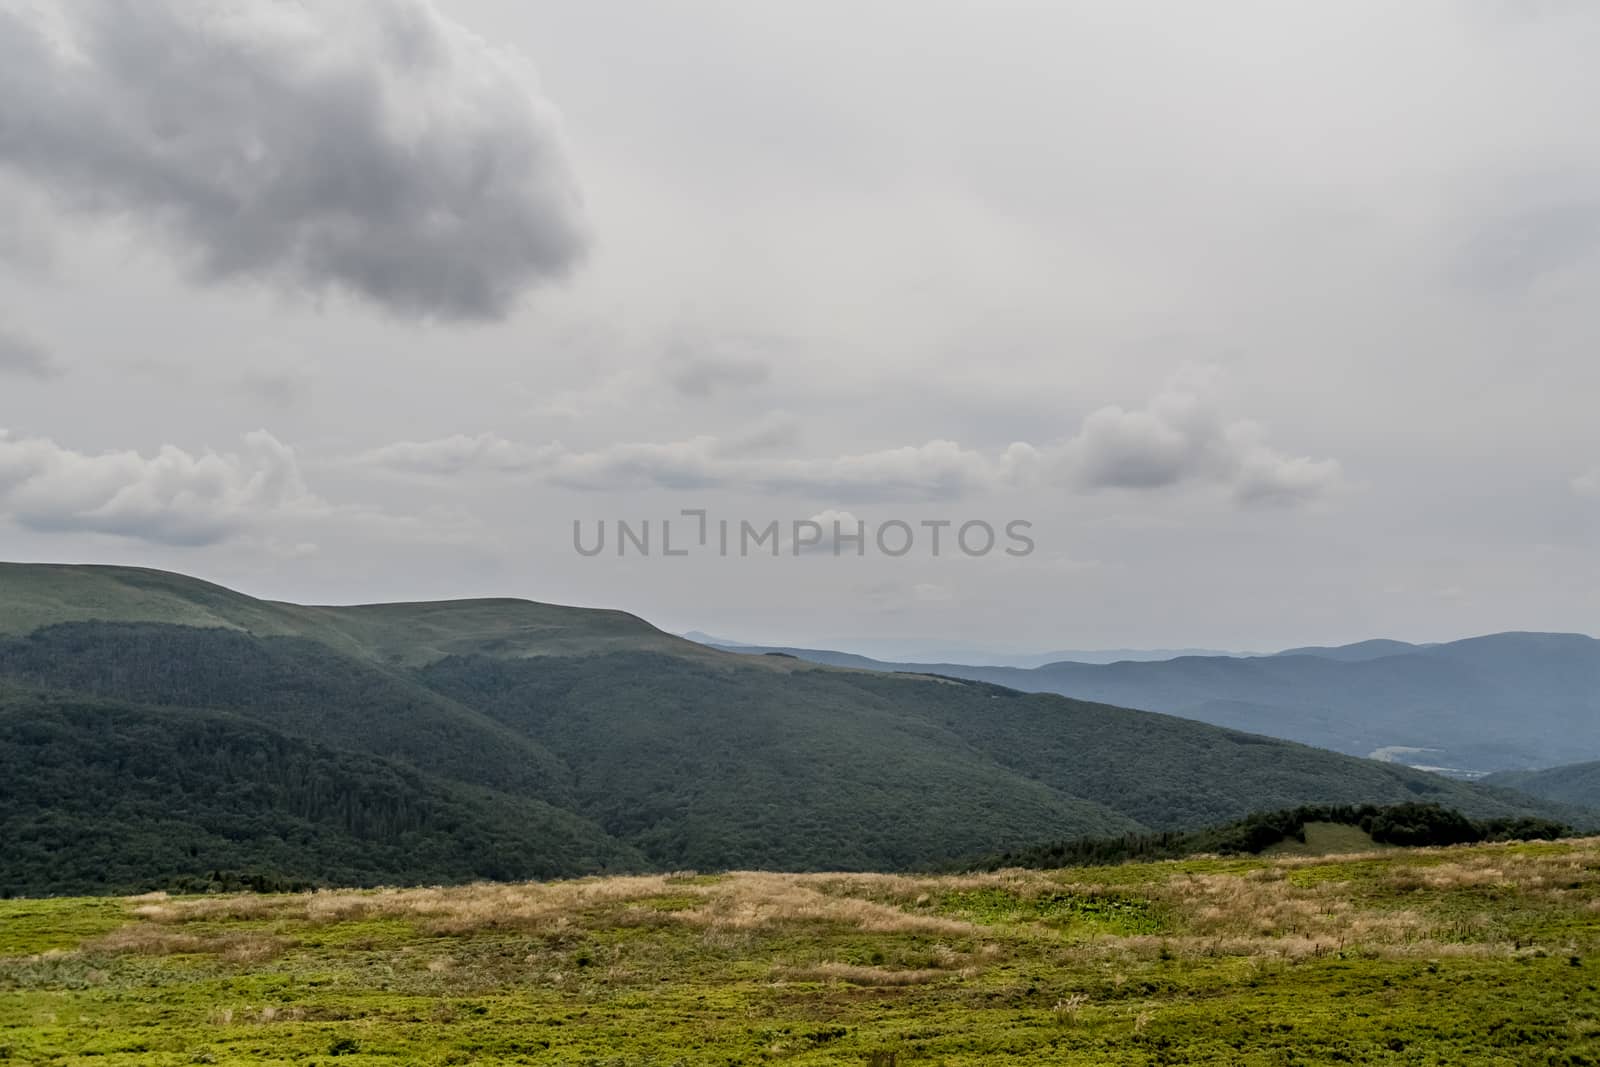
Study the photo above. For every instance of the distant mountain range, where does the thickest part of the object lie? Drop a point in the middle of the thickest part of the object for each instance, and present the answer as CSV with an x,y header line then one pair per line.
x,y
1500,702
159,730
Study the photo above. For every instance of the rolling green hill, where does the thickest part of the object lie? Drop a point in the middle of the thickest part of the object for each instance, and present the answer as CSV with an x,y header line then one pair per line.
x,y
156,730
35,595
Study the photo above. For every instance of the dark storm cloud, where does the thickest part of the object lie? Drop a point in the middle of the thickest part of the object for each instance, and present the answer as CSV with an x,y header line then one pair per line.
x,y
371,146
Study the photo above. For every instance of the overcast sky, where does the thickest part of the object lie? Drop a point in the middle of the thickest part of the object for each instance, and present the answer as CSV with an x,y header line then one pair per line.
x,y
1276,321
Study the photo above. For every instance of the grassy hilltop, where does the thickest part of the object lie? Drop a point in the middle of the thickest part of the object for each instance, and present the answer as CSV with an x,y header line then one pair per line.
x,y
34,596
1486,954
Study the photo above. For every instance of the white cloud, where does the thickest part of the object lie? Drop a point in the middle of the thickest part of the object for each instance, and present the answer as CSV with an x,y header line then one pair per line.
x,y
1587,484
1181,436
371,146
1178,439
172,497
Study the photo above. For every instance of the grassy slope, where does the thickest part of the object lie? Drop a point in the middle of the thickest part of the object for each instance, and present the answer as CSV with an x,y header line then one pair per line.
x,y
1475,955
1326,839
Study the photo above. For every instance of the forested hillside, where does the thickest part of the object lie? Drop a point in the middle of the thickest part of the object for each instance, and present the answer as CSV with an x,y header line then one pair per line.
x,y
1577,784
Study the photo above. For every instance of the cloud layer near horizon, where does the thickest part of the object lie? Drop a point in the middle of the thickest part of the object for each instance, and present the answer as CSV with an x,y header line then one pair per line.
x,y
372,147
173,497
1179,438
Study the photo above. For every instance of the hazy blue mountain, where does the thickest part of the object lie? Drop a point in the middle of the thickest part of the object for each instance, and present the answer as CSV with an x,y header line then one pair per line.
x,y
1500,702
1361,650
1112,655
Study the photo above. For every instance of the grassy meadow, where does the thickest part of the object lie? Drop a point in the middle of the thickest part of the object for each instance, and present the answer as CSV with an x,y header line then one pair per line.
x,y
1474,954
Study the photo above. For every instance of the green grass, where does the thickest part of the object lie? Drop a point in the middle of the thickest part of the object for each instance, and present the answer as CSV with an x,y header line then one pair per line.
x,y
1325,839
1484,954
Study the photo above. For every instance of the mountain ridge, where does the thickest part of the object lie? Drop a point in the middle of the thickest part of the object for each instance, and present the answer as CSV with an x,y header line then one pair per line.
x,y
1511,700
554,740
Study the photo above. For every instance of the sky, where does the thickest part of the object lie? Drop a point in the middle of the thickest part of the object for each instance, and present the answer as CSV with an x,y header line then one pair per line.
x,y
1271,324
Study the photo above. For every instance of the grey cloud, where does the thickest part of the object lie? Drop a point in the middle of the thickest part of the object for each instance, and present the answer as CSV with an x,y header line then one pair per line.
x,y
1267,478
775,431
705,375
27,245
22,355
457,454
1131,450
700,362
1517,249
1182,437
1502,12
173,497
697,377
280,389
370,146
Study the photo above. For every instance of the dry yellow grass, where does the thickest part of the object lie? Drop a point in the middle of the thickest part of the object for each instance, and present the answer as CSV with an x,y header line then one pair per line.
x,y
1262,910
1343,958
859,975
235,947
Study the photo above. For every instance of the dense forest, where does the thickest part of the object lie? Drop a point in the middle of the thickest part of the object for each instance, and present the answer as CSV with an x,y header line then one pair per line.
x,y
1411,825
